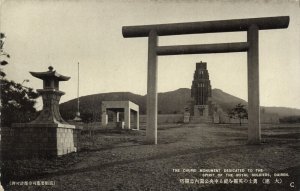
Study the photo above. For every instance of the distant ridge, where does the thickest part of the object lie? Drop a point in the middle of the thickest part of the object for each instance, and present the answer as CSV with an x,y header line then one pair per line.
x,y
168,103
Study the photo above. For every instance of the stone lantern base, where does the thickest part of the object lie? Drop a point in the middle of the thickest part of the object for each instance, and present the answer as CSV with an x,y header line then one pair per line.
x,y
25,140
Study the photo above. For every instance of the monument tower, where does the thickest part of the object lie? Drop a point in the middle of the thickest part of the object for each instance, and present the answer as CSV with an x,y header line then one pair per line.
x,y
201,94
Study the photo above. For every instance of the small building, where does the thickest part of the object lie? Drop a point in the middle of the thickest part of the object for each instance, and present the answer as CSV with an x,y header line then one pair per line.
x,y
123,114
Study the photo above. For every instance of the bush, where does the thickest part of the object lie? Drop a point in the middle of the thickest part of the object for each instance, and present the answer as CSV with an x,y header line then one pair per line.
x,y
290,119
17,103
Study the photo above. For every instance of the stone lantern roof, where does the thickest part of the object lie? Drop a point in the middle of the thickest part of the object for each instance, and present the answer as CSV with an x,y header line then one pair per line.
x,y
51,74
50,79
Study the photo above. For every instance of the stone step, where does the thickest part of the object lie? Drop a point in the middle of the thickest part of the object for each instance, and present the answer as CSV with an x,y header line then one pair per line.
x,y
194,119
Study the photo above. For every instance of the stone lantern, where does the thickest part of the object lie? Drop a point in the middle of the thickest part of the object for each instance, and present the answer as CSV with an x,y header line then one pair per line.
x,y
48,135
51,96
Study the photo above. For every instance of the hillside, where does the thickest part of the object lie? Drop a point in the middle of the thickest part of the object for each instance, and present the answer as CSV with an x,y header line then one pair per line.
x,y
225,100
173,101
168,102
283,111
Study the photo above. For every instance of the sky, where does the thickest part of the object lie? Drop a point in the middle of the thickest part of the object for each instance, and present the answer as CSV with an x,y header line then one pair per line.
x,y
63,33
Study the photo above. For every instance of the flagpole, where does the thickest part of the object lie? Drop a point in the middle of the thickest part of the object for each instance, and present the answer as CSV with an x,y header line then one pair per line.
x,y
78,113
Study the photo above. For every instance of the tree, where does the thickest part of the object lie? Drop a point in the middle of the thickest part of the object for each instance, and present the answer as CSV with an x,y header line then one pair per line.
x,y
87,117
2,53
17,103
238,112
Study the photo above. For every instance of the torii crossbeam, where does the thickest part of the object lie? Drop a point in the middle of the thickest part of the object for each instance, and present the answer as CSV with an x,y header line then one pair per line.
x,y
252,26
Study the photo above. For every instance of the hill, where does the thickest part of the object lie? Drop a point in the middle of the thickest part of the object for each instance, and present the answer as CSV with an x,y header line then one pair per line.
x,y
283,111
92,103
225,100
168,102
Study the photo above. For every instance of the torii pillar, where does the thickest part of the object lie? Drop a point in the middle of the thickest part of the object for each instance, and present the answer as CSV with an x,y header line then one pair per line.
x,y
254,129
151,128
252,26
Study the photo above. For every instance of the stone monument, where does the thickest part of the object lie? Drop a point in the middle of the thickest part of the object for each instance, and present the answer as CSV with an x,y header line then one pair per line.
x,y
201,94
48,135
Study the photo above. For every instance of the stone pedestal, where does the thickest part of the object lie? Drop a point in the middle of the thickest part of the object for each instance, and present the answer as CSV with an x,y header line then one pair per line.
x,y
201,114
30,141
186,117
48,135
201,110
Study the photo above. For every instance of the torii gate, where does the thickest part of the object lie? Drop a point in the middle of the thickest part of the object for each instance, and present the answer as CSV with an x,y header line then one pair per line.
x,y
252,26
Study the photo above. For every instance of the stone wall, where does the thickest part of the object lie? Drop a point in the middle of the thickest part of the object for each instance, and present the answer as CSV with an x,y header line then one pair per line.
x,y
165,118
264,118
223,118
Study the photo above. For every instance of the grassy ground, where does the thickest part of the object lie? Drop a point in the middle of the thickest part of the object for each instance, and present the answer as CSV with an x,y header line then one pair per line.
x,y
119,160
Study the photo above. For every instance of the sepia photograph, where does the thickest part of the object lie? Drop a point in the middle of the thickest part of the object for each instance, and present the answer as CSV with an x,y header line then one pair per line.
x,y
150,95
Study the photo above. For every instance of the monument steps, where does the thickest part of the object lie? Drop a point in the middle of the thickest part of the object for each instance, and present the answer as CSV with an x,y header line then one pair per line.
x,y
194,120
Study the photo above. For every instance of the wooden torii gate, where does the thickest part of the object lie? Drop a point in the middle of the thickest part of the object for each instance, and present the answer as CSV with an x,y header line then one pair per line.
x,y
252,26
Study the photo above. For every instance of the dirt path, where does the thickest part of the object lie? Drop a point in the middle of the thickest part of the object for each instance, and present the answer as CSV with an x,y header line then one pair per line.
x,y
132,165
